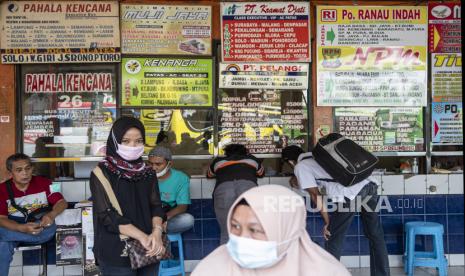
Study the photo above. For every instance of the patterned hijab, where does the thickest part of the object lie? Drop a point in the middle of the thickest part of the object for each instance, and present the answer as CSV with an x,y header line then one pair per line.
x,y
130,170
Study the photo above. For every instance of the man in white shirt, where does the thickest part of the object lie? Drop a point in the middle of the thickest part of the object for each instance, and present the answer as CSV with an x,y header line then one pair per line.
x,y
311,177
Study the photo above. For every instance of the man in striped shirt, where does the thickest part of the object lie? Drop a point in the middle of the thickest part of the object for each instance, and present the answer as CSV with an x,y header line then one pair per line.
x,y
235,173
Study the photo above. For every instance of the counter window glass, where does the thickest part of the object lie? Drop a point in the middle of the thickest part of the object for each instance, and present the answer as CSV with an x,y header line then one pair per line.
x,y
265,121
67,110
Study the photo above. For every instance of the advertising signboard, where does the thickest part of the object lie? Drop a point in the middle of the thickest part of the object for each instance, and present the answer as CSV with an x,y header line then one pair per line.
x,y
166,82
264,75
382,129
166,30
371,56
59,32
265,31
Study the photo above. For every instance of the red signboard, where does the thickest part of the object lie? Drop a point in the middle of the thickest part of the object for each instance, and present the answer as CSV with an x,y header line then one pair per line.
x,y
444,27
258,31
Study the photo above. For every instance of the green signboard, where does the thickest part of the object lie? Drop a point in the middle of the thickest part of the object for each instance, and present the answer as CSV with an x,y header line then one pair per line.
x,y
166,82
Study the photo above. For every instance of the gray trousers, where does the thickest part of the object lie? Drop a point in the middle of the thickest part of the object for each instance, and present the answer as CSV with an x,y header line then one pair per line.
x,y
223,197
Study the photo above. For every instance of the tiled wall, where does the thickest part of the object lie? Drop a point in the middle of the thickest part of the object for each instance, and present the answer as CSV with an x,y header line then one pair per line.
x,y
410,197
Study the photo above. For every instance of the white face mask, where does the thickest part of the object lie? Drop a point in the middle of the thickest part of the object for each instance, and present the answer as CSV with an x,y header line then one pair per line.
x,y
128,153
164,171
252,254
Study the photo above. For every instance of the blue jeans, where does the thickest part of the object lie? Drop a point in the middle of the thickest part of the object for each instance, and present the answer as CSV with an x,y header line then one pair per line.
x,y
108,270
9,240
372,229
180,223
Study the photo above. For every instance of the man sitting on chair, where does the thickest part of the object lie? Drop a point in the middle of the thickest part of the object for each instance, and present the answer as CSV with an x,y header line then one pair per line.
x,y
28,208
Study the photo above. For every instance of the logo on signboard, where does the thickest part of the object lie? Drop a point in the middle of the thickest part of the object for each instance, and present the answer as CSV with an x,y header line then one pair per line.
x,y
13,7
133,66
328,15
331,57
439,108
232,68
441,11
231,9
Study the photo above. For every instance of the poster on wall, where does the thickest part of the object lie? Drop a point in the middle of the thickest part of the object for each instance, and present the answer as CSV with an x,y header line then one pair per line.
x,y
447,123
59,31
265,31
166,30
446,75
183,131
166,82
264,76
371,56
382,129
68,246
67,113
265,121
445,30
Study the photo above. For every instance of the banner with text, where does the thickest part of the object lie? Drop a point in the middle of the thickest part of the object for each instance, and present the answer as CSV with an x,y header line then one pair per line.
x,y
259,31
264,76
173,82
382,129
60,32
446,74
67,112
445,30
447,123
371,56
166,30
265,121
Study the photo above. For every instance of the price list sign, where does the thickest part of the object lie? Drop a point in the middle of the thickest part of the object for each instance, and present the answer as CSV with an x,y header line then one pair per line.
x,y
59,32
382,129
260,31
265,121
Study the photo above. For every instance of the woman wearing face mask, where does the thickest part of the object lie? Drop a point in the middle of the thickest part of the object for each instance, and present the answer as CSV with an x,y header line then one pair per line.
x,y
136,189
267,236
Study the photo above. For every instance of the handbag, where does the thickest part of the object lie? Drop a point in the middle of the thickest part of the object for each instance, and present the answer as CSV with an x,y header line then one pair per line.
x,y
133,248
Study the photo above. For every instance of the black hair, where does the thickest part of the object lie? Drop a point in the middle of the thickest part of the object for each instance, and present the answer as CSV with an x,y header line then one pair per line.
x,y
16,157
235,149
291,153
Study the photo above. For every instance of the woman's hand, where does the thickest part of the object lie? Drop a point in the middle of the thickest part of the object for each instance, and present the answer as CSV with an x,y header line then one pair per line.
x,y
156,242
146,242
326,233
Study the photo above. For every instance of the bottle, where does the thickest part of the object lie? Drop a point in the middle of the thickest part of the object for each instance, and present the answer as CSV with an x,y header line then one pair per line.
x,y
415,166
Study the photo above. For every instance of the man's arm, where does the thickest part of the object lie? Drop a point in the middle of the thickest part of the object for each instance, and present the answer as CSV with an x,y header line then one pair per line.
x,y
29,228
181,208
316,197
57,209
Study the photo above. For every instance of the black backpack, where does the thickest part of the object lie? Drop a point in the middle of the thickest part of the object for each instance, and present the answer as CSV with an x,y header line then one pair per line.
x,y
33,216
343,159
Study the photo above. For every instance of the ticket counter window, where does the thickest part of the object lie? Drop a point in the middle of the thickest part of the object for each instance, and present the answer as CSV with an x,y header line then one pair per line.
x,y
67,110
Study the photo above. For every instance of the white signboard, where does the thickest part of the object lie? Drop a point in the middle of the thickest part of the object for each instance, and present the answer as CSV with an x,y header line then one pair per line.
x,y
59,31
264,75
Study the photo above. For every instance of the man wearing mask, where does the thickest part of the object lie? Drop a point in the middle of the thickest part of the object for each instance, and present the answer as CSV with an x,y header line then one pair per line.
x,y
29,217
174,190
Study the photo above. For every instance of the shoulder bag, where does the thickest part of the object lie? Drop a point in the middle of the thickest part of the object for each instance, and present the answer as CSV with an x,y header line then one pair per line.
x,y
133,248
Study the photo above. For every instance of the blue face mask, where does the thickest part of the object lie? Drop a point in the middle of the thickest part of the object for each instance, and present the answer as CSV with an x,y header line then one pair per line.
x,y
252,254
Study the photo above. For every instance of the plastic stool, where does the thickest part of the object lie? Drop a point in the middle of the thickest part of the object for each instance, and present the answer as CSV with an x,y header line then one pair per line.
x,y
414,258
173,267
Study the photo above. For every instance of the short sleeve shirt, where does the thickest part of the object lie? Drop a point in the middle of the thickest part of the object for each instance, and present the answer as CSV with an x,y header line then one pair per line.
x,y
310,174
175,189
37,195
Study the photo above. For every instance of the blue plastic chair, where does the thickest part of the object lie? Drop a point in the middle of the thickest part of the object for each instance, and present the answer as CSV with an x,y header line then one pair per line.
x,y
413,258
173,267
